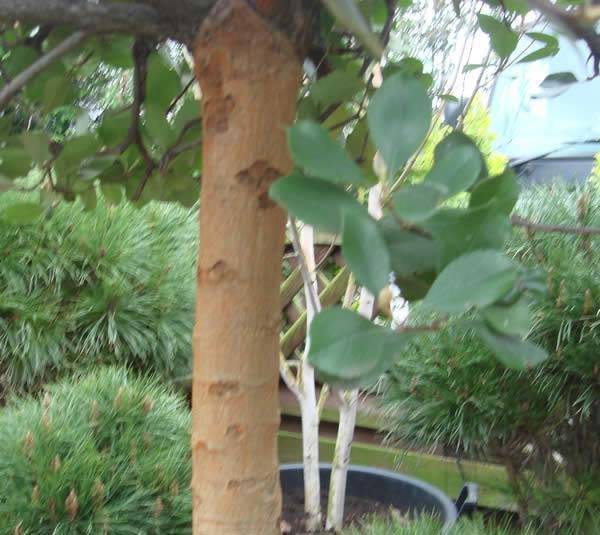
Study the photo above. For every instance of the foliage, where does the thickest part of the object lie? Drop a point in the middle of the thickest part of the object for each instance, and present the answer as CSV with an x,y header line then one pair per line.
x,y
430,526
105,453
455,243
447,391
111,285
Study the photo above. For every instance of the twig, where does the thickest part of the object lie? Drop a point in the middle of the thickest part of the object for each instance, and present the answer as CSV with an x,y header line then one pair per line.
x,y
180,95
530,226
575,22
22,79
312,296
288,376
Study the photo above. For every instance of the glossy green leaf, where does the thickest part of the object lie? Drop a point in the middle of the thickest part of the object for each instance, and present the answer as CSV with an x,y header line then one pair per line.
x,y
551,47
503,39
314,201
348,14
517,6
512,351
116,51
113,193
360,146
365,251
37,145
15,162
558,79
349,350
399,116
163,83
476,279
337,86
94,166
74,152
21,213
501,190
158,127
417,202
459,231
456,142
114,127
320,156
456,171
410,253
513,320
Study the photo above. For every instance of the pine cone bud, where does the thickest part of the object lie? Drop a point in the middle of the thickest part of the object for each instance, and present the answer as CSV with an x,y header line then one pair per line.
x,y
158,507
72,505
35,495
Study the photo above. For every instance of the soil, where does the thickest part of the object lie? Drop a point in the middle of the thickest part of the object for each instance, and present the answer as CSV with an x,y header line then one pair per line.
x,y
355,511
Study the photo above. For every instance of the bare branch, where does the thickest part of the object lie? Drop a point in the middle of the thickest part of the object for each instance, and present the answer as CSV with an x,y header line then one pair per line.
x,y
84,15
574,22
530,226
17,83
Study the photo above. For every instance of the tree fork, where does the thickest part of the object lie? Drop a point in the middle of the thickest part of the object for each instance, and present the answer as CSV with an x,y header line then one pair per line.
x,y
250,75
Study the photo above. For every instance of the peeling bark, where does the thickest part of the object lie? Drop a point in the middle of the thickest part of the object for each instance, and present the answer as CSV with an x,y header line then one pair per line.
x,y
250,77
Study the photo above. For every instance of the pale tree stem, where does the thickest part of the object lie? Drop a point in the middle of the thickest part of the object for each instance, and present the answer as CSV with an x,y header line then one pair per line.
x,y
308,402
349,405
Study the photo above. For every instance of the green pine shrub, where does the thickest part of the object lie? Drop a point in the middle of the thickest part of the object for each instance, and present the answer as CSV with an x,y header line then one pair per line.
x,y
106,453
430,526
543,424
112,285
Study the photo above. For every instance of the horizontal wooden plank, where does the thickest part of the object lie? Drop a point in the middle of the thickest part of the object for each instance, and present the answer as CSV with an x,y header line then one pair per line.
x,y
443,472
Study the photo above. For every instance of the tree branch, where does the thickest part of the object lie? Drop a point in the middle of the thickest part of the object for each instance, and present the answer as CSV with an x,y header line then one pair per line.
x,y
84,15
575,22
23,78
530,226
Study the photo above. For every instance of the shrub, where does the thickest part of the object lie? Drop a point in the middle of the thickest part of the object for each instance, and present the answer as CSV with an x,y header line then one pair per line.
x,y
430,526
106,453
543,424
113,285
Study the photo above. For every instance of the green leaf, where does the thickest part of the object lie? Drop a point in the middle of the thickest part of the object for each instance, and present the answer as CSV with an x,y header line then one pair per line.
x,y
314,201
89,199
94,166
163,83
114,127
457,142
15,162
158,127
541,53
21,213
417,202
399,116
501,190
348,14
459,231
410,253
365,251
349,350
360,146
475,279
511,320
511,350
558,79
457,170
503,39
189,111
116,51
19,59
320,156
37,145
113,193
337,86
517,6
74,152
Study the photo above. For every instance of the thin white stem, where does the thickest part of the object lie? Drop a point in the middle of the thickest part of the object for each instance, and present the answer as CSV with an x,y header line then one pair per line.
x,y
349,401
304,246
288,377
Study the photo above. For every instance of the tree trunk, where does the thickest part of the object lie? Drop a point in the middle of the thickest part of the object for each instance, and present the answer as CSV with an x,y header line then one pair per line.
x,y
249,77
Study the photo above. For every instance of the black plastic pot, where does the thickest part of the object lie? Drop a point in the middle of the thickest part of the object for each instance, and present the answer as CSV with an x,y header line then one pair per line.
x,y
402,492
